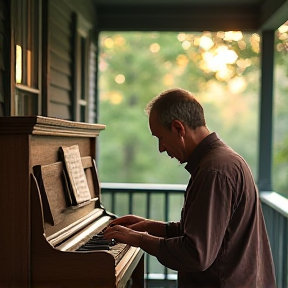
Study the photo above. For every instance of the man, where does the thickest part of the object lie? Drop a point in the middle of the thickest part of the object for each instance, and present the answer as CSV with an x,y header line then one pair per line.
x,y
221,239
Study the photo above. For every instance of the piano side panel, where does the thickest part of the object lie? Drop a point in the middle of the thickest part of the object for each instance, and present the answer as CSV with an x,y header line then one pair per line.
x,y
15,211
27,258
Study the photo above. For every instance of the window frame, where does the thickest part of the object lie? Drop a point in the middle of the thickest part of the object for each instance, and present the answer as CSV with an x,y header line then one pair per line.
x,y
30,85
81,69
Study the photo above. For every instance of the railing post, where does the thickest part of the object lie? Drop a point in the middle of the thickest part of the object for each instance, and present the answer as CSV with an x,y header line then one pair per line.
x,y
166,213
275,210
266,111
285,254
148,205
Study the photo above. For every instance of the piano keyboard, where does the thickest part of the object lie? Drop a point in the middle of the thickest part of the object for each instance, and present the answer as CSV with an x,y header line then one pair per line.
x,y
88,239
98,242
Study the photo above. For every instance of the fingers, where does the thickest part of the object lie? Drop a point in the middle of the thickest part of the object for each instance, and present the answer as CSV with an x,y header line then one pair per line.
x,y
116,232
123,235
140,226
127,220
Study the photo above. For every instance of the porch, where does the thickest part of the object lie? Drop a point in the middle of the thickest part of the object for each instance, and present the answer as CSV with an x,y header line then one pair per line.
x,y
163,202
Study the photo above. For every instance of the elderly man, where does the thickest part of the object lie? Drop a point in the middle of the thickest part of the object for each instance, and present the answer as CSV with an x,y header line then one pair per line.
x,y
221,239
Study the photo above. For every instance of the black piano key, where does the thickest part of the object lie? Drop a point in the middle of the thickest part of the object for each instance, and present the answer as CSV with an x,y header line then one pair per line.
x,y
97,242
82,249
111,242
98,236
95,247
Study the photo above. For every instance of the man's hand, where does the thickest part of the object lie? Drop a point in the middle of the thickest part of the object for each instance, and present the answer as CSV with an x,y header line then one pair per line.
x,y
127,220
156,228
124,235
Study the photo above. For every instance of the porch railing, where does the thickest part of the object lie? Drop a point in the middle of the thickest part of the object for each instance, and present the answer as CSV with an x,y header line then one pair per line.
x,y
164,202
275,210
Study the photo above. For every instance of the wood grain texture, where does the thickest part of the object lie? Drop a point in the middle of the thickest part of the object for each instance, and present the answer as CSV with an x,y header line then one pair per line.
x,y
29,259
48,126
56,268
15,211
53,191
24,143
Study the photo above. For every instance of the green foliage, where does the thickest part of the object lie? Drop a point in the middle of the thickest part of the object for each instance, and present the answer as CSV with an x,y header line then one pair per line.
x,y
280,151
134,67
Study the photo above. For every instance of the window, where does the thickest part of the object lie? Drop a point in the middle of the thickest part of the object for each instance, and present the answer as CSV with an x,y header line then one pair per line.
x,y
83,50
26,27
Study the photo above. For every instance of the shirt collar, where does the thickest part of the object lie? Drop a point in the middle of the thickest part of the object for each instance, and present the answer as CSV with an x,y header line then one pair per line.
x,y
200,151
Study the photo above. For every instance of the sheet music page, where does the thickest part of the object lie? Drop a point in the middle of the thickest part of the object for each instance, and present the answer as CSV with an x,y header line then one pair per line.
x,y
76,175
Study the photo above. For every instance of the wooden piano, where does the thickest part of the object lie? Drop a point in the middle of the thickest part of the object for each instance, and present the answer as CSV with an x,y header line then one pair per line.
x,y
43,234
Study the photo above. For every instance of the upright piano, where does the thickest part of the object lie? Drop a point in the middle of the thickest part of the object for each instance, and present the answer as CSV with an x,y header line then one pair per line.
x,y
49,240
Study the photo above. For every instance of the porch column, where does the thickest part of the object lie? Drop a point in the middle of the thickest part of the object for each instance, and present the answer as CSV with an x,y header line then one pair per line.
x,y
266,111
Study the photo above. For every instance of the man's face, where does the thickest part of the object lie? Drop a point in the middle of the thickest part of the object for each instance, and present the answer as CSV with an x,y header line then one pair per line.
x,y
169,140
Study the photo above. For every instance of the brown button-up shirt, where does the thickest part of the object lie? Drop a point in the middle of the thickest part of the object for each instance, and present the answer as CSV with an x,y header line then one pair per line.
x,y
221,239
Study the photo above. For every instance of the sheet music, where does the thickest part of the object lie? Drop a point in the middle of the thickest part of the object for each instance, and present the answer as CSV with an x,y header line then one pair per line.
x,y
76,175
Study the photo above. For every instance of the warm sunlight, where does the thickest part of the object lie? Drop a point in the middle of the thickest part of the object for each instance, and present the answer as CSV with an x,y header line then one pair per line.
x,y
186,44
206,43
116,98
217,61
237,85
120,79
154,48
109,43
233,36
217,52
18,64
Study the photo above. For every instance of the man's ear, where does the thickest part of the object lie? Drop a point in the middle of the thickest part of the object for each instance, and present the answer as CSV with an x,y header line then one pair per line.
x,y
178,127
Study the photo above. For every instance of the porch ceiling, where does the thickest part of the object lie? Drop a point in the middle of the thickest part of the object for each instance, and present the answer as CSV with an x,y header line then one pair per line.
x,y
190,15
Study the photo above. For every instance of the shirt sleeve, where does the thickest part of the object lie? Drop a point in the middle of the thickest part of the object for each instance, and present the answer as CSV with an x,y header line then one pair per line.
x,y
205,217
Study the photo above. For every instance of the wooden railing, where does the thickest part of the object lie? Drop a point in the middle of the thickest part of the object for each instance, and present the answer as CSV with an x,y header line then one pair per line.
x,y
164,202
275,210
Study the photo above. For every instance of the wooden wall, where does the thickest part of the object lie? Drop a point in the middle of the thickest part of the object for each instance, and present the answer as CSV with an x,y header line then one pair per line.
x,y
61,56
4,60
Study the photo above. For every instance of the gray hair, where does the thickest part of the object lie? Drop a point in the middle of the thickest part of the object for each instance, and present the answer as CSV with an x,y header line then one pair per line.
x,y
177,104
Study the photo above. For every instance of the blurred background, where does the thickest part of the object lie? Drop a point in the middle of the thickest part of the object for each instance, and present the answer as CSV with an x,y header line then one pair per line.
x,y
220,68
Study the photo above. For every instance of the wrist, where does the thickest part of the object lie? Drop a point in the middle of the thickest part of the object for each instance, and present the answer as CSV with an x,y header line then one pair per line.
x,y
141,240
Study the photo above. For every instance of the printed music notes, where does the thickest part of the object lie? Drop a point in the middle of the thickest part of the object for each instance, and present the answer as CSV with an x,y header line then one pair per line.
x,y
75,176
